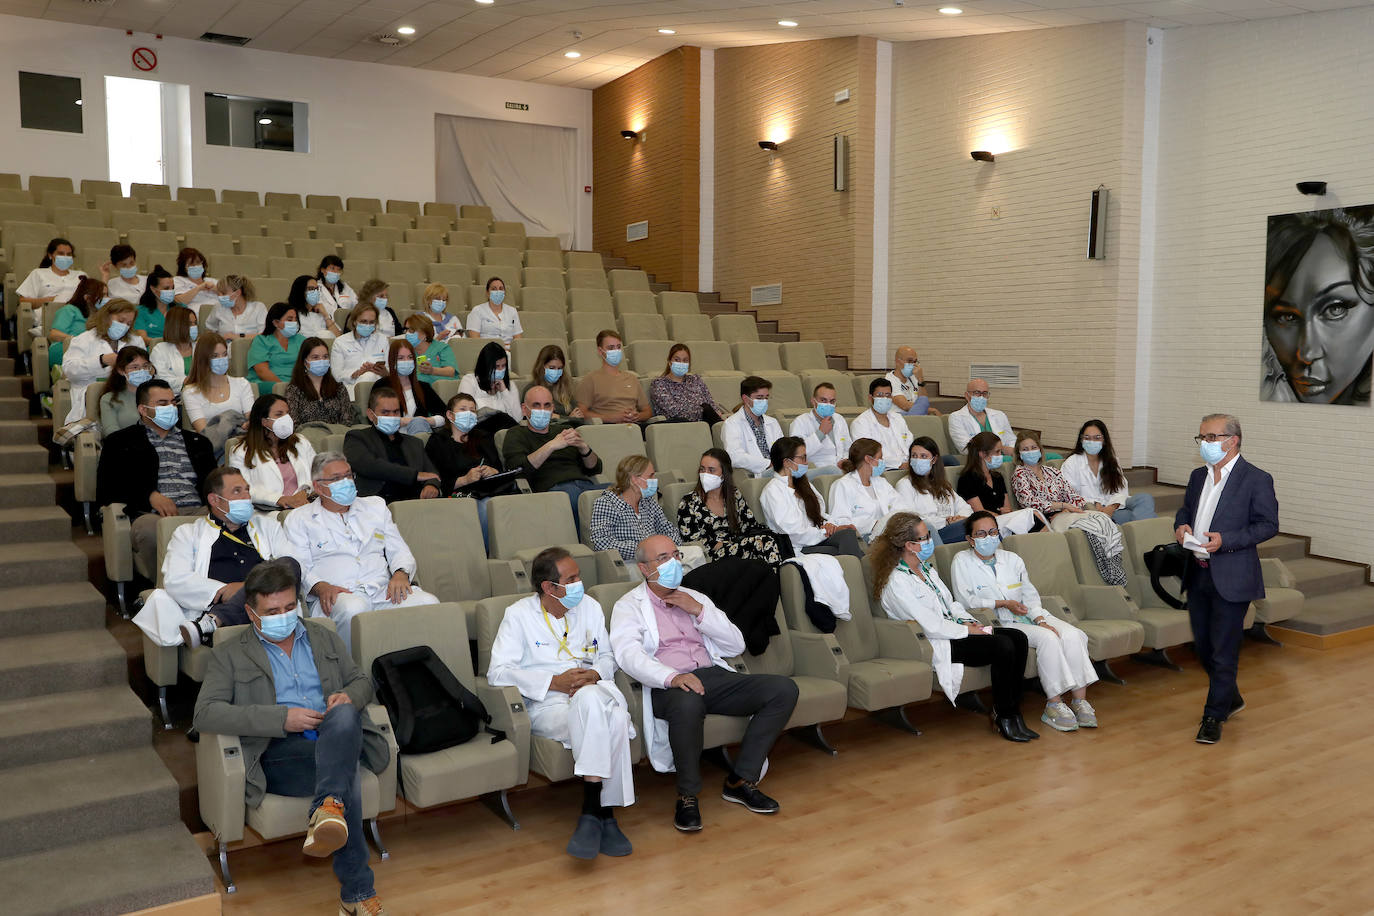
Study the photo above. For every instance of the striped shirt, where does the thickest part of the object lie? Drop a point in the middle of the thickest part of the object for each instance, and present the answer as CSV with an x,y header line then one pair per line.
x,y
176,478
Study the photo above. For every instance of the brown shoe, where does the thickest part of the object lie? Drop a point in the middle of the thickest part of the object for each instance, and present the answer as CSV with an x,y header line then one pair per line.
x,y
372,906
328,829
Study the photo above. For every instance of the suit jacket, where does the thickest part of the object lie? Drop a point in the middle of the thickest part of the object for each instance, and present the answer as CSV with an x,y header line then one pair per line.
x,y
128,468
238,697
1246,516
366,452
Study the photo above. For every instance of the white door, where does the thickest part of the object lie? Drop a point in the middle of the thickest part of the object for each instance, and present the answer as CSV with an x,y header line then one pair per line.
x,y
134,119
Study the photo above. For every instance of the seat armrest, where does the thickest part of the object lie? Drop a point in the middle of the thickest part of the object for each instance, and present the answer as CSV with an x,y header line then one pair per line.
x,y
220,782
610,567
819,655
506,707
118,539
386,779
1058,608
896,639
86,463
508,577
1276,574
162,663
42,372
1107,602
738,664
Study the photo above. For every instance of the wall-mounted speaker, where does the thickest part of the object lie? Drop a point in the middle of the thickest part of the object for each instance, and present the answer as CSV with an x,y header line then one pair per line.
x,y
1097,225
841,169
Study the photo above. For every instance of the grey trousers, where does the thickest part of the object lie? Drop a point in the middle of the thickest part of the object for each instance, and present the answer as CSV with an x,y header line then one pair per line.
x,y
768,699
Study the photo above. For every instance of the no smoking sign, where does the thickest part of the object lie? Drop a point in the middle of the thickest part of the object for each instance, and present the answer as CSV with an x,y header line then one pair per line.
x,y
145,60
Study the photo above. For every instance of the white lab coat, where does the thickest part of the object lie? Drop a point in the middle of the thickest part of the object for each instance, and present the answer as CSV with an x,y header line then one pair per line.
x,y
895,438
784,513
822,451
43,282
906,597
183,285
864,507
314,325
1089,485
738,436
81,365
199,407
169,364
932,511
491,326
345,298
963,426
594,723
224,322
187,589
634,639
1062,660
264,477
507,401
349,352
828,583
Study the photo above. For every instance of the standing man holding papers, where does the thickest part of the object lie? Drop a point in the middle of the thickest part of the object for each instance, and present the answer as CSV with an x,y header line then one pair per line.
x,y
1229,509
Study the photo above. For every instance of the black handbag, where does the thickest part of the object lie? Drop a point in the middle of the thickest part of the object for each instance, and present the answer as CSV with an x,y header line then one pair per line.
x,y
1169,561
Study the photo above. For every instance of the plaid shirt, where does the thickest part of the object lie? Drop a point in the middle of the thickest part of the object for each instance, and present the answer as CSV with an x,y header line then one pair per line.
x,y
615,526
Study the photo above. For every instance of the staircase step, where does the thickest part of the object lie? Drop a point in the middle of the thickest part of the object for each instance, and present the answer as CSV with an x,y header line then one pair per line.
x,y
79,723
27,490
31,610
1337,612
11,386
13,408
23,459
1140,477
34,523
1323,577
80,799
1167,499
19,432
1284,548
118,874
6,365
57,662
42,563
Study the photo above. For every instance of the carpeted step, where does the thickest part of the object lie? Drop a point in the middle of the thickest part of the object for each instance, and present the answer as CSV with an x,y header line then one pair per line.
x,y
1140,477
1284,548
118,874
18,432
1326,615
80,799
34,523
30,610
1167,499
11,386
27,490
23,459
6,365
42,563
80,723
57,662
1323,577
13,408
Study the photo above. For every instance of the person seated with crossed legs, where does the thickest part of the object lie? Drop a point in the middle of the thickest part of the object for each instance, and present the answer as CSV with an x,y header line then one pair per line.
x,y
554,648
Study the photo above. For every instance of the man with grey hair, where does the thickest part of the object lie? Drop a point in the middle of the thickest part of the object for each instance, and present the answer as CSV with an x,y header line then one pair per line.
x,y
352,556
1229,510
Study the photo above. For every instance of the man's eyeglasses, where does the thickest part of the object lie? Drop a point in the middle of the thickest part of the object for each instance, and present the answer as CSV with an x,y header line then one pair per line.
x,y
1212,437
348,476
665,557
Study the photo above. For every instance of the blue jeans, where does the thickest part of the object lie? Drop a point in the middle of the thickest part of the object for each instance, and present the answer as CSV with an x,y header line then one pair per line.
x,y
953,534
574,489
298,767
919,407
1138,506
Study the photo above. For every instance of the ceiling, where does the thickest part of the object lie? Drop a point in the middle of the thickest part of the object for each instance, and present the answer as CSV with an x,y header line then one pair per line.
x,y
526,39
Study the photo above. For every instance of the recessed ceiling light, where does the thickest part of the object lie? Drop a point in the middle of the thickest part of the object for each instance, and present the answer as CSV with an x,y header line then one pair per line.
x,y
572,54
264,120
787,23
667,31
950,10
406,30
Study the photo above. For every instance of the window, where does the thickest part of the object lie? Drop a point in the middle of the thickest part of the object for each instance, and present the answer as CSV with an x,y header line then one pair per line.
x,y
48,102
253,123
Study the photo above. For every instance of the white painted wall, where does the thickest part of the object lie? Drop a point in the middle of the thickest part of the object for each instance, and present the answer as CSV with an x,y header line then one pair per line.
x,y
371,125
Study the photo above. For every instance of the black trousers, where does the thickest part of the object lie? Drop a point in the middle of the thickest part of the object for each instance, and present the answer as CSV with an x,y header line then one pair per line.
x,y
1218,628
768,699
844,541
1005,652
234,612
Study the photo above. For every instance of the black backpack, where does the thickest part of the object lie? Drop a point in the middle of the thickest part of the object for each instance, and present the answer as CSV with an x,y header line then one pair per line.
x,y
430,709
1165,561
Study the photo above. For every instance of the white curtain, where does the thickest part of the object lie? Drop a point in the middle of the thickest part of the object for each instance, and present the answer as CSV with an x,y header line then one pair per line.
x,y
524,172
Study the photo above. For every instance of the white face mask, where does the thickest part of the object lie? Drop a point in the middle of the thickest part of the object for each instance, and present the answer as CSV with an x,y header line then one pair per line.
x,y
283,426
710,482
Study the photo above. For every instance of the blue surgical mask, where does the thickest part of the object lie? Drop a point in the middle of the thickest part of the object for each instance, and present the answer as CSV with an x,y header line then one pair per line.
x,y
289,329
498,375
166,296
552,375
413,338
909,369
994,462
312,296
438,305
166,416
364,330
882,405
63,261
102,302
318,367
138,377
276,627
679,368
880,467
978,404
926,550
219,364
650,487
194,331
987,546
344,491
388,425
670,573
1212,452
800,470
613,357
128,273
405,367
498,296
1031,457
239,511
380,301
921,466
1090,447
465,420
332,276
117,330
825,411
226,301
195,271
572,593
539,418
759,406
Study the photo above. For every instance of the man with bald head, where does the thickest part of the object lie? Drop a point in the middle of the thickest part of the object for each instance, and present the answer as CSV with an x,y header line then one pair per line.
x,y
553,455
977,417
909,385
674,642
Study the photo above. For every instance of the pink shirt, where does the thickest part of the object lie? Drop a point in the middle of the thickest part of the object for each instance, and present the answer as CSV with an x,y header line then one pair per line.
x,y
289,485
680,646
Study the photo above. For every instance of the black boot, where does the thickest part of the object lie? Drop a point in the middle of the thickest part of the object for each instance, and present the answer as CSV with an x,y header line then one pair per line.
x,y
1020,724
1006,727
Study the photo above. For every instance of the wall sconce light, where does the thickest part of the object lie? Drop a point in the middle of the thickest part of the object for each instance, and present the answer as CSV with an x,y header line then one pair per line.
x,y
768,145
1315,188
982,155
629,135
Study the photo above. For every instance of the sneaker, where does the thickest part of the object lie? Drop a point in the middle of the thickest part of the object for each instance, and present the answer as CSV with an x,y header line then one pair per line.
x,y
586,838
328,830
372,906
1084,712
1236,705
748,795
198,632
614,842
1209,732
687,817
1059,717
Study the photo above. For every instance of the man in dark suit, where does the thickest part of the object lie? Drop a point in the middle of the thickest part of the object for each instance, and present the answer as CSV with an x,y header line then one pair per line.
x,y
1230,509
387,462
155,469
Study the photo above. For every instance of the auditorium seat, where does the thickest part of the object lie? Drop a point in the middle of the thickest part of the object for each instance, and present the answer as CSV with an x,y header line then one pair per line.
x,y
313,216
844,391
643,327
636,303
506,260
932,427
435,208
508,227
462,239
406,207
505,240
163,664
583,260
163,208
264,246
520,526
41,183
241,198
544,243
420,252
338,232
710,357
466,351
358,219
93,244
71,218
313,249
675,449
142,191
383,234
622,280
459,276
117,204
92,188
196,196
544,299
756,358
690,327
216,211
478,227
542,324
364,204
57,200
584,278
612,442
735,328
401,221
541,276
262,213
724,386
367,251
589,300
552,260
399,272
290,268
647,356
239,228
524,350
181,224
282,200
803,356
208,243
325,202
459,254
474,211
271,290
587,358
678,303
285,228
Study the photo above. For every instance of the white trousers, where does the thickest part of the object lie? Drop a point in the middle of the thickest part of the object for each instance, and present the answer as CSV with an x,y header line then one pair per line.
x,y
1061,661
351,604
595,724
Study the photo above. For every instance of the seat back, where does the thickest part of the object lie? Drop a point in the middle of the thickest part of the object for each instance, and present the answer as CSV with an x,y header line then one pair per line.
x,y
588,300
524,350
636,302
710,357
751,489
433,208
585,278
529,521
583,260
734,328
411,207
844,387
452,567
542,259
541,324
671,302
442,627
92,188
934,427
755,358
690,327
490,613
648,356
622,280
475,211
856,636
675,448
165,527
1049,565
586,325
1141,537
612,442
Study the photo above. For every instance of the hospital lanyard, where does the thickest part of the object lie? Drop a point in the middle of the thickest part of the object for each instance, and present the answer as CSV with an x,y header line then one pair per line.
x,y
227,533
562,642
925,570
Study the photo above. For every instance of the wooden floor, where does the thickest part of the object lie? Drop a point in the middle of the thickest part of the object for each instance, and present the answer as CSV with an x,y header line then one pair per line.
x,y
1132,818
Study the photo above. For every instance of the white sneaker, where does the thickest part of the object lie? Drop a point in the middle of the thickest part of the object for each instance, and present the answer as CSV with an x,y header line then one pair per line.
x,y
197,632
1059,717
1085,714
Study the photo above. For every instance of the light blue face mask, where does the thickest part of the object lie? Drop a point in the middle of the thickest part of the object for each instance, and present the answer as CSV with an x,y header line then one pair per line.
x,y
289,329
312,296
921,466
413,338
332,276
117,330
388,425
226,301
128,273
670,573
1032,457
498,296
882,405
465,420
880,467
679,368
978,404
166,296
498,375
194,331
572,595
613,357
539,418
799,471
1212,452
759,406
380,301
219,364
405,367
994,462
364,330
344,491
195,271
1091,447
926,550
138,377
908,369
987,546
276,627
552,375
650,487
63,261
438,305
239,511
318,367
825,411
166,416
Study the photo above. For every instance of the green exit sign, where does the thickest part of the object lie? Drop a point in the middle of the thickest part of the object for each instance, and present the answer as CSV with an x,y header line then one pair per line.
x,y
517,106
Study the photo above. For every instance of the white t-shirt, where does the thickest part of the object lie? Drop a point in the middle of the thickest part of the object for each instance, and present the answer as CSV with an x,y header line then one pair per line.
x,y
489,325
43,282
223,320
128,290
506,400
183,285
199,407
